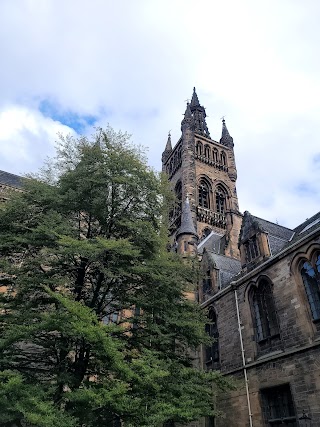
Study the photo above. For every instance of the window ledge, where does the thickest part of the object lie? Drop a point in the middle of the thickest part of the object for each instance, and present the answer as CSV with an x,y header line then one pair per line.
x,y
271,354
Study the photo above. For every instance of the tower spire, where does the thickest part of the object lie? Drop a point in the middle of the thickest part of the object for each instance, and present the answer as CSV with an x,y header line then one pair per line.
x,y
168,149
199,115
195,99
226,138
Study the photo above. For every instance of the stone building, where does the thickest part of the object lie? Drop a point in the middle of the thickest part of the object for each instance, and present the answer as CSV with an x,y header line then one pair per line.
x,y
260,285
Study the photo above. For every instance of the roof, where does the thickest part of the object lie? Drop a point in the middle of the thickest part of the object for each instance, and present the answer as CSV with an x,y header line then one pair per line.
x,y
278,235
227,266
10,179
213,242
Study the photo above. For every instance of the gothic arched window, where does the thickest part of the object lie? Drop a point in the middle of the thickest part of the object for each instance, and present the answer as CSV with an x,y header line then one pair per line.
x,y
311,279
211,355
204,194
178,191
207,151
264,311
223,158
206,283
199,148
221,197
215,155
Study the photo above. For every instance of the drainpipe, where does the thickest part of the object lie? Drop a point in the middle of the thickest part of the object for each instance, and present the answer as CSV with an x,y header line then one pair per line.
x,y
243,360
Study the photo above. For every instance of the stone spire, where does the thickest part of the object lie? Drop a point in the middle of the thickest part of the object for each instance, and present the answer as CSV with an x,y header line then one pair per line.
x,y
199,116
187,121
195,100
187,225
226,139
167,150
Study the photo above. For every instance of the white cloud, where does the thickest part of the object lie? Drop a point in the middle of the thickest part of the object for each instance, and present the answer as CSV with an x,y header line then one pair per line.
x,y
133,64
26,139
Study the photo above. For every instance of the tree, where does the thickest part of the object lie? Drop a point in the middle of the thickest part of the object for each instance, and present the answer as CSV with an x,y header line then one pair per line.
x,y
83,243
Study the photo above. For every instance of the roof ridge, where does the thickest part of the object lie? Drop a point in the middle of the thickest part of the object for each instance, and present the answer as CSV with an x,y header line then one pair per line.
x,y
274,223
9,173
307,220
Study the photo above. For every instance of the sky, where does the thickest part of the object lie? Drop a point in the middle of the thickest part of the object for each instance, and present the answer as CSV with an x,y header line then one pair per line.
x,y
69,66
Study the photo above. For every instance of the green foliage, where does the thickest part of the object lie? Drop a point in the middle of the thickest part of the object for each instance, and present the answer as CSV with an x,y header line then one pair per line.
x,y
86,241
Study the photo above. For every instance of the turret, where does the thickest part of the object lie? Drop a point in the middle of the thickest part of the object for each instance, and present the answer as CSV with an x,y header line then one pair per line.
x,y
187,237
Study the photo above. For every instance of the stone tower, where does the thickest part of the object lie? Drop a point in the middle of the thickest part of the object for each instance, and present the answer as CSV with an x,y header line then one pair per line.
x,y
203,171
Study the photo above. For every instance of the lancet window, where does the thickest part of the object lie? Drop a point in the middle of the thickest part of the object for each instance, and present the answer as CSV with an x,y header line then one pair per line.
x,y
221,196
199,149
223,158
212,351
264,311
204,194
310,273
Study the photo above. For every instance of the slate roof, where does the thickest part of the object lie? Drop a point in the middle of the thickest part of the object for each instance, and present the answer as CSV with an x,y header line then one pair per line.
x,y
214,242
228,267
10,179
307,227
187,225
278,235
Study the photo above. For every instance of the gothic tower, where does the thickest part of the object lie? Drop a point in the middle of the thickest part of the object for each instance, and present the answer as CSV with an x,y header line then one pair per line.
x,y
203,171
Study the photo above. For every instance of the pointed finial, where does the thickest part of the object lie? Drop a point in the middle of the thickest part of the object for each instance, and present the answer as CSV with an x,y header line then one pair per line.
x,y
226,138
169,145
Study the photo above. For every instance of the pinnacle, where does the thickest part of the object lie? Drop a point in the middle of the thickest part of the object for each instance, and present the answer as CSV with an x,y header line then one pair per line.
x,y
226,138
195,99
188,114
169,145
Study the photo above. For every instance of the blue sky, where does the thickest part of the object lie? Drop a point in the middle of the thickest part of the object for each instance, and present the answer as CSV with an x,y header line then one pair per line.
x,y
68,66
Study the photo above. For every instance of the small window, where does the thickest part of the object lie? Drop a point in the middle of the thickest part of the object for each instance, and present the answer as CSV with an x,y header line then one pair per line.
x,y
199,149
223,158
251,249
264,311
111,318
278,407
215,155
311,279
212,351
209,422
207,151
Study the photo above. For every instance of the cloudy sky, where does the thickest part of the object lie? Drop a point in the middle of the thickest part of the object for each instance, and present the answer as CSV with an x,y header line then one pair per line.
x,y
69,65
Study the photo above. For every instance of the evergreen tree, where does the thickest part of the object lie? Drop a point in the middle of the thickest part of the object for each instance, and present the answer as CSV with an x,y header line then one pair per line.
x,y
94,321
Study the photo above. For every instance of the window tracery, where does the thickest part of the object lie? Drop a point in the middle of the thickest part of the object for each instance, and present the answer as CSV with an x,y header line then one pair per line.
x,y
310,273
204,194
221,196
264,311
251,248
